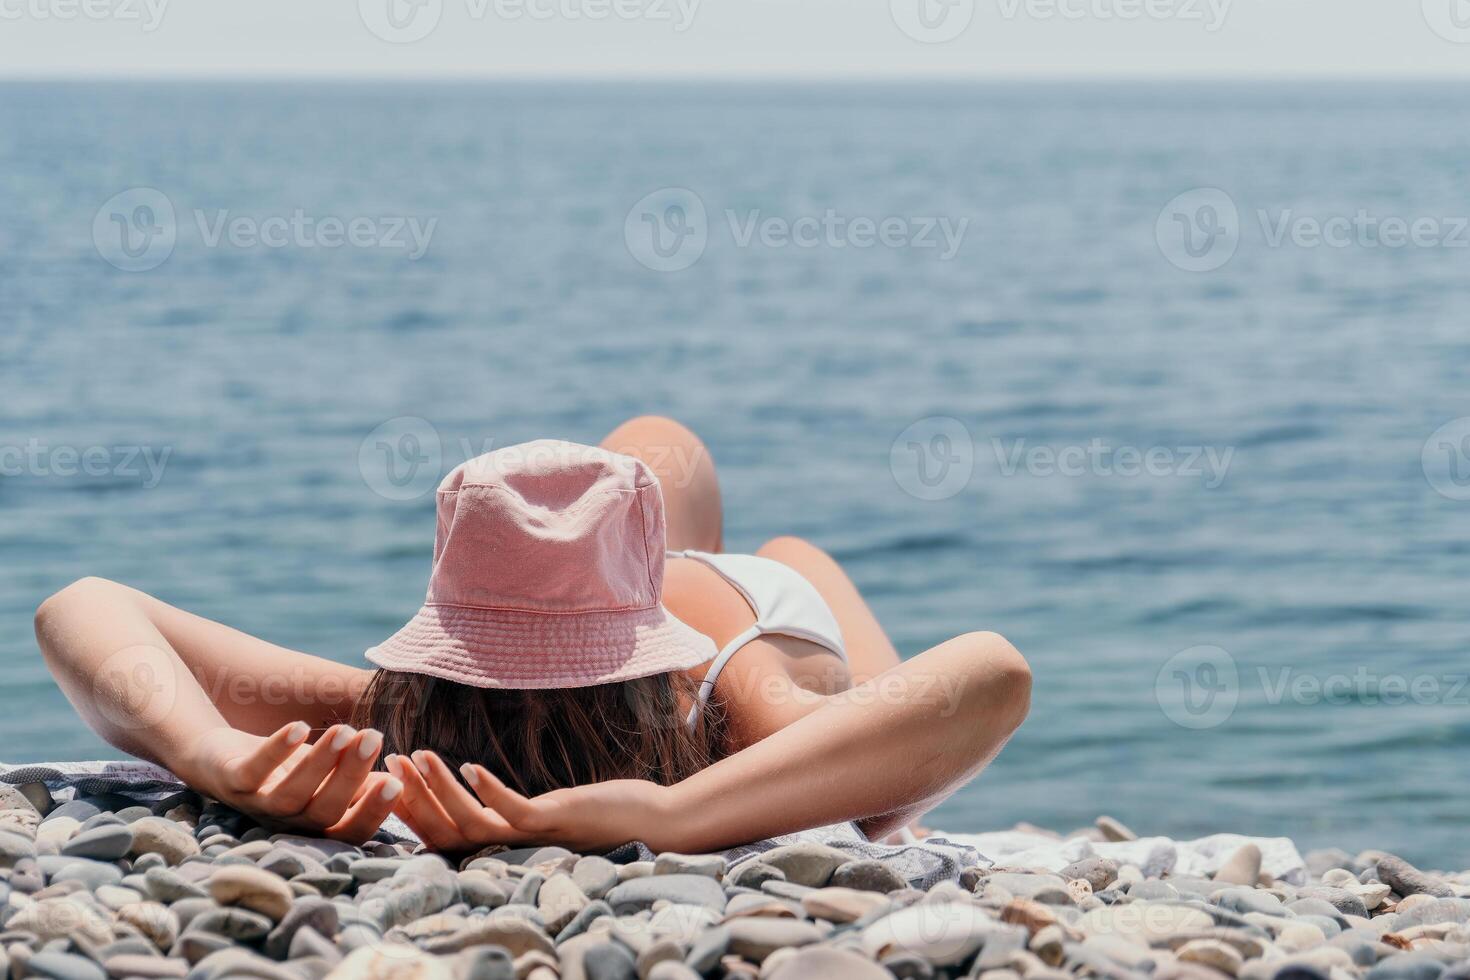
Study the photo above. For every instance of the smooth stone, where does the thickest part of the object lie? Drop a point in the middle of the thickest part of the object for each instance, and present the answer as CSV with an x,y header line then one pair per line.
x,y
287,863
1433,911
609,961
683,923
92,874
583,919
528,890
147,967
391,962
634,869
515,934
251,888
1407,966
115,897
480,889
64,966
1340,899
868,876
1048,888
811,865
107,842
786,889
756,938
664,950
62,918
14,847
842,905
944,934
706,952
1212,953
826,963
197,946
159,835
671,970
559,901
1152,890
1406,879
754,874
158,923
1097,872
596,876
12,797
639,894
1244,900
374,868
187,908
167,885
1241,868
328,884
312,912
1145,923
1319,862
709,865
1114,830
488,963
1296,936
235,923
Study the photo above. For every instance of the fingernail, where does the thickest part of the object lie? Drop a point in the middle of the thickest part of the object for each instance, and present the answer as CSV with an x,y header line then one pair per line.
x,y
390,790
370,744
343,736
420,760
468,772
391,764
297,734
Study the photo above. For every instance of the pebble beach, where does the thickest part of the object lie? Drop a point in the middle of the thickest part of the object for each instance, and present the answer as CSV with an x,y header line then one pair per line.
x,y
103,887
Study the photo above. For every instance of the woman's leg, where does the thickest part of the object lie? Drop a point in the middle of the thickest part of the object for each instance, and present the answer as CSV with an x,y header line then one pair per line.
x,y
686,474
869,651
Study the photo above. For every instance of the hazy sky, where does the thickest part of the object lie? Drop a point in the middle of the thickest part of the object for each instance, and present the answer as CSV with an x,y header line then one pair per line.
x,y
736,38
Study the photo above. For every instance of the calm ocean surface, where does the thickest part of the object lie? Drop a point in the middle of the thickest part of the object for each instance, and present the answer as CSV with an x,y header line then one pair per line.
x,y
1278,407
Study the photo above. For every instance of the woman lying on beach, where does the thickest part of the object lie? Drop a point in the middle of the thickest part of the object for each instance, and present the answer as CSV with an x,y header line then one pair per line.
x,y
588,687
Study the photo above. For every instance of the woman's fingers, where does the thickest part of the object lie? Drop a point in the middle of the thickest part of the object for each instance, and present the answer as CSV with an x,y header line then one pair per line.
x,y
518,811
418,807
247,773
342,785
381,791
472,818
295,790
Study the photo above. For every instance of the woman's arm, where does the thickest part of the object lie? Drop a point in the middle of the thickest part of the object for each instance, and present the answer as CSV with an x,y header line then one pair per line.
x,y
226,712
876,753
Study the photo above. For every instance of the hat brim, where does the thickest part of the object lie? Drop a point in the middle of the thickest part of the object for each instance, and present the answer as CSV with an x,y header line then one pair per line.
x,y
533,651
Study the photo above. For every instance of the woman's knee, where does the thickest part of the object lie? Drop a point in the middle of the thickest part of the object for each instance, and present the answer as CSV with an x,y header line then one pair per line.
x,y
1005,670
686,474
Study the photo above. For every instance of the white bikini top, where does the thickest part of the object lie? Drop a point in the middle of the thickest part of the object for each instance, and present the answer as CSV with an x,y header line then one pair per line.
x,y
784,602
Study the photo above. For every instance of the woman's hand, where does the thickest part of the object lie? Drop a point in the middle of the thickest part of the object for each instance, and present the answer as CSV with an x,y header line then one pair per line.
x,y
327,788
592,818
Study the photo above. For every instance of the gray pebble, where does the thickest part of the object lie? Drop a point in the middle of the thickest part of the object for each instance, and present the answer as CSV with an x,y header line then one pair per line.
x,y
1407,880
235,923
640,893
609,961
488,963
596,876
64,966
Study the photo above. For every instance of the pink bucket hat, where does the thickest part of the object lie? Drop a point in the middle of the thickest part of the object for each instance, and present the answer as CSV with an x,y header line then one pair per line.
x,y
548,572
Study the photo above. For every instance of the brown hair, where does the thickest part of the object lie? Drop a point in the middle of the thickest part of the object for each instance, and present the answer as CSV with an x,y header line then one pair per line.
x,y
538,741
